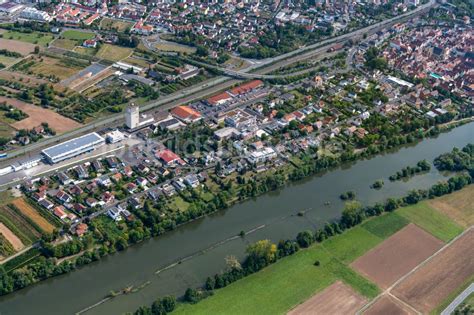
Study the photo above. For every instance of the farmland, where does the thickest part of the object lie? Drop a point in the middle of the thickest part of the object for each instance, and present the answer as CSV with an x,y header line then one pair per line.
x,y
116,25
459,206
7,61
295,279
432,221
11,238
85,51
52,67
36,38
21,78
175,47
338,298
27,210
18,225
396,256
6,131
17,46
77,35
38,115
113,53
388,305
383,249
431,284
64,43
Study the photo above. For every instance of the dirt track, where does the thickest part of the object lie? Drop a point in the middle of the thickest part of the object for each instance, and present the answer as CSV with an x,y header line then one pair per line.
x,y
336,299
430,285
397,255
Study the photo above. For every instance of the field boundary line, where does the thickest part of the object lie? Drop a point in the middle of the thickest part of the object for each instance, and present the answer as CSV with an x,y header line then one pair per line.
x,y
404,303
423,263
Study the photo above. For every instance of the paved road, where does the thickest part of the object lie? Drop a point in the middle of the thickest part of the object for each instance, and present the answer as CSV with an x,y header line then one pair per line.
x,y
458,300
217,84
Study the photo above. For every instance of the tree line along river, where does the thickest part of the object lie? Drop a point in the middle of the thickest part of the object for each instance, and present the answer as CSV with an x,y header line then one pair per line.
x,y
185,257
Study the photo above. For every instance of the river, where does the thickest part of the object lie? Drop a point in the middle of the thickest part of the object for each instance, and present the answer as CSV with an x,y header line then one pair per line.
x,y
202,245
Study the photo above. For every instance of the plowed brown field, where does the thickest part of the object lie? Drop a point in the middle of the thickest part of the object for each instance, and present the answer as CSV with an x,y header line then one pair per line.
x,y
397,255
336,299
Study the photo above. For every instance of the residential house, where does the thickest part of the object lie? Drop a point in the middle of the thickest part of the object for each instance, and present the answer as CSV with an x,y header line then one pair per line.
x,y
92,202
191,180
114,213
63,197
45,203
59,211
64,178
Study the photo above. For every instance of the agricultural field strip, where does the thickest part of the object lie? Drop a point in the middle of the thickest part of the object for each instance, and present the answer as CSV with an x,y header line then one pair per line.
x,y
25,208
387,291
398,254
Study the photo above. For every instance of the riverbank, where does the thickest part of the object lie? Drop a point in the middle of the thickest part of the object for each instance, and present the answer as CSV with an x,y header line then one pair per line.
x,y
276,211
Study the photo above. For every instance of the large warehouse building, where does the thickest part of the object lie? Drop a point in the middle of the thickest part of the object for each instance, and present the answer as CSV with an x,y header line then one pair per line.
x,y
73,147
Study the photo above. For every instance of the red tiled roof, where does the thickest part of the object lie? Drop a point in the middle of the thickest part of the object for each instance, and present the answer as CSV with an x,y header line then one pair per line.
x,y
246,87
185,112
167,156
59,212
218,98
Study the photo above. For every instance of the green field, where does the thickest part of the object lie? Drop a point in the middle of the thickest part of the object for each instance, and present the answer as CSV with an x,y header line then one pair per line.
x,y
384,228
63,43
85,50
77,35
41,39
431,221
8,61
5,130
113,53
352,244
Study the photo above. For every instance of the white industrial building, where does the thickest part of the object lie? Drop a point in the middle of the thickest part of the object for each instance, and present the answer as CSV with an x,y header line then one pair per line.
x,y
72,148
114,136
261,155
34,14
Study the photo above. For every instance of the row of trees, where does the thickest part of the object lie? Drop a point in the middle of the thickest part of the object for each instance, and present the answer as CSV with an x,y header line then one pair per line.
x,y
421,166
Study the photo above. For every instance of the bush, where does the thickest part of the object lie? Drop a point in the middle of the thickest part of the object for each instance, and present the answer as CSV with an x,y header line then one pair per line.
x,y
305,239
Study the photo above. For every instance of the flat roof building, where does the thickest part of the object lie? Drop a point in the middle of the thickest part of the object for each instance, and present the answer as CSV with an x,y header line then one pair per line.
x,y
72,148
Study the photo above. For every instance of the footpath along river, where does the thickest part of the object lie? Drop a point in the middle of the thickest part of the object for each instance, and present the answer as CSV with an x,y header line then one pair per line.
x,y
200,247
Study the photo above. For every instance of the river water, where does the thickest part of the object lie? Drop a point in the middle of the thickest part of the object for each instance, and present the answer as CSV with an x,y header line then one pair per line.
x,y
201,246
